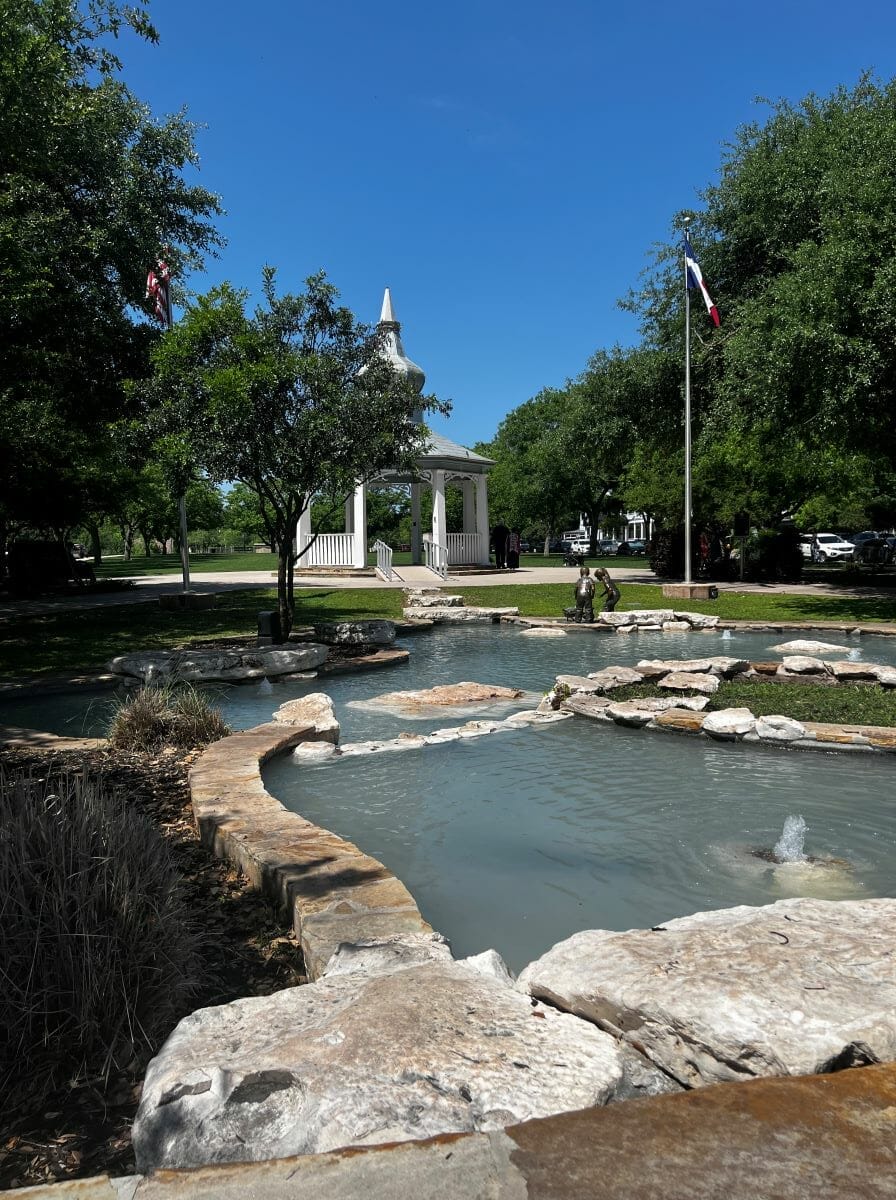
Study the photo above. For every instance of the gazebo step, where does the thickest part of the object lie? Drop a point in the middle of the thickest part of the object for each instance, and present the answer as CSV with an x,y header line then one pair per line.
x,y
347,572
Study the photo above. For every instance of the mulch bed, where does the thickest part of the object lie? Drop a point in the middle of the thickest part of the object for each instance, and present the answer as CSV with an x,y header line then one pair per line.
x,y
84,1129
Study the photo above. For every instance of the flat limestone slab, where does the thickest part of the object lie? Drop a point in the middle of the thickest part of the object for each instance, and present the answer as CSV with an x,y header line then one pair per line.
x,y
446,694
358,1058
458,616
227,664
799,987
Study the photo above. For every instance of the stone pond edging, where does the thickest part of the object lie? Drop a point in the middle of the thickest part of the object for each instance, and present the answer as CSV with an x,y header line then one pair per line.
x,y
332,891
586,697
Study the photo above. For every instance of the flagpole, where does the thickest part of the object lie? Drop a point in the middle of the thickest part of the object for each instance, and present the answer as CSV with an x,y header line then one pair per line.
x,y
687,418
182,501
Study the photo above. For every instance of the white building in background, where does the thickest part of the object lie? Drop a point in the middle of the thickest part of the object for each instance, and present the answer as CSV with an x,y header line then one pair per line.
x,y
445,463
626,527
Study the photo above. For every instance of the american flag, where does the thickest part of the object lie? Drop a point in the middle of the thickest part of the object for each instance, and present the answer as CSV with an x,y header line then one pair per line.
x,y
158,290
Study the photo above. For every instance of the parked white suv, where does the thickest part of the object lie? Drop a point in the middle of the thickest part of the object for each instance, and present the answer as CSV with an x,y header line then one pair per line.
x,y
579,546
826,546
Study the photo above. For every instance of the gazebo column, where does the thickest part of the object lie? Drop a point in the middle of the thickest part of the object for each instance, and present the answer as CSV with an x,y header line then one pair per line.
x,y
482,526
303,534
439,528
359,526
416,549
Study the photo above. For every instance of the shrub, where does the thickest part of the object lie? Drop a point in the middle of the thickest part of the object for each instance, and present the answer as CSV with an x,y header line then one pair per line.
x,y
98,950
167,714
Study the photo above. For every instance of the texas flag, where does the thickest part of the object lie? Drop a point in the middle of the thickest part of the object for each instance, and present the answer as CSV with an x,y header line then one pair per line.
x,y
695,279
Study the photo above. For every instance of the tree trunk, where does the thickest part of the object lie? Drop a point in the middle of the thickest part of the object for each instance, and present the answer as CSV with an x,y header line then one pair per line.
x,y
145,535
96,549
127,536
284,589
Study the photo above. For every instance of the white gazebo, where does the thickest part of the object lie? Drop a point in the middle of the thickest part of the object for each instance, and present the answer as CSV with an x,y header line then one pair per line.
x,y
443,463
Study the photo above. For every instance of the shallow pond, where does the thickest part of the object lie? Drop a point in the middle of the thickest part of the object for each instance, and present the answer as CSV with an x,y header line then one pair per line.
x,y
519,838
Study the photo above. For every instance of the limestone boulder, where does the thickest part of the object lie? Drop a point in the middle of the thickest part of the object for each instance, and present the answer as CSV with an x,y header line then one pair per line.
x,y
729,724
227,664
630,712
799,987
690,681
801,664
461,615
807,647
697,620
614,677
718,664
577,683
675,627
615,618
594,707
355,633
363,1058
314,710
651,616
544,631
434,599
446,695
846,672
886,676
314,751
780,729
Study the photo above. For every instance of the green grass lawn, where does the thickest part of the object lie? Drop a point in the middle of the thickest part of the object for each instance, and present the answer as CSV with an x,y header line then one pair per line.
x,y
845,704
169,564
72,641
549,600
83,640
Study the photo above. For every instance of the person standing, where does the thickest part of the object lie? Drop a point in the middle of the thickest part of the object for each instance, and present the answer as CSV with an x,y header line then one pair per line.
x,y
513,549
500,534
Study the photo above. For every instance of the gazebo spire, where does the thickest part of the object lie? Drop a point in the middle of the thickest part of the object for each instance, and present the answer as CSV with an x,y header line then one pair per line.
x,y
393,349
387,316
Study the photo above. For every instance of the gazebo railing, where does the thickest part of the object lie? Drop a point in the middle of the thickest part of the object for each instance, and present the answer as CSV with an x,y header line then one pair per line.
x,y
330,550
383,559
436,558
464,548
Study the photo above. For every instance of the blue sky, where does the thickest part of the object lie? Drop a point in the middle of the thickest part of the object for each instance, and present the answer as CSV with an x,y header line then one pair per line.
x,y
504,167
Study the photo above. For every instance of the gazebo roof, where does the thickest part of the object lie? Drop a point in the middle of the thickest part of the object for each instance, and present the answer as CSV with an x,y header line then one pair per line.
x,y
442,450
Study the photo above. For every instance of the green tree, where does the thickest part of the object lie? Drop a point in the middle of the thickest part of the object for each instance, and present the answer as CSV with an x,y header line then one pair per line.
x,y
91,187
798,242
293,401
532,482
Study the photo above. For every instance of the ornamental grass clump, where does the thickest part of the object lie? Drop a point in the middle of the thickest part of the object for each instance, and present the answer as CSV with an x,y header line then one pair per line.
x,y
98,948
171,713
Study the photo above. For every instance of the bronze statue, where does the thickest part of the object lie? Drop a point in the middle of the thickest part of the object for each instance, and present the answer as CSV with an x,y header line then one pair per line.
x,y
610,594
584,597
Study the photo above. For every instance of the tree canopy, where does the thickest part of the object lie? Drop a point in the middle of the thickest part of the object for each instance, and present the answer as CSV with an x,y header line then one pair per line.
x,y
92,187
793,395
293,400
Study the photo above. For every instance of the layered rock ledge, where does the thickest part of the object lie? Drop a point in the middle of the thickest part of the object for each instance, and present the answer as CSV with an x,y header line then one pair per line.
x,y
799,987
385,1047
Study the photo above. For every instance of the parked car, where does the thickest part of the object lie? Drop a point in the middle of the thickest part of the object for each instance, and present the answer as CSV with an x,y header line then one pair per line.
x,y
874,550
607,546
579,546
634,546
525,547
826,546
